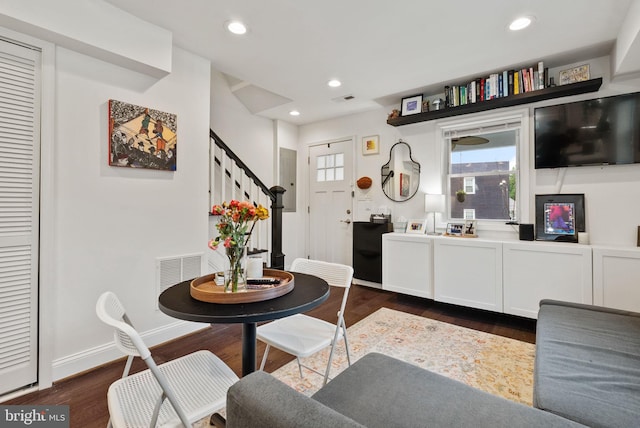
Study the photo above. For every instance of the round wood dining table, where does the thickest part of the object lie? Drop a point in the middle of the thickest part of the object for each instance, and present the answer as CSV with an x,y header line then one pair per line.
x,y
308,292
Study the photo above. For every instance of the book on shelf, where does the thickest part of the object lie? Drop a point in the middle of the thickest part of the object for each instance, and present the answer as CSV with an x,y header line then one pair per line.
x,y
498,85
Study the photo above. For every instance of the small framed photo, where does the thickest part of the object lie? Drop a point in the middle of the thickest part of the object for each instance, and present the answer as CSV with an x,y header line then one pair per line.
x,y
455,229
575,74
469,228
371,145
411,105
416,226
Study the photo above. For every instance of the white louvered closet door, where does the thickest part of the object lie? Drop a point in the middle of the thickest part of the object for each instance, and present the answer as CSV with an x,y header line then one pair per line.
x,y
19,208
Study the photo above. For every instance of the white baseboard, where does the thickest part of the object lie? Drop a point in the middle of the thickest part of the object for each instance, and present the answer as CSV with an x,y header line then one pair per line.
x,y
94,357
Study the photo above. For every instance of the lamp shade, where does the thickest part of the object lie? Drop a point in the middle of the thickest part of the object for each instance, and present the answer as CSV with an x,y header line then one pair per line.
x,y
434,203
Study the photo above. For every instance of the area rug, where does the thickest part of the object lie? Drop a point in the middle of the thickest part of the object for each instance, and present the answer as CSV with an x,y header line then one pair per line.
x,y
495,364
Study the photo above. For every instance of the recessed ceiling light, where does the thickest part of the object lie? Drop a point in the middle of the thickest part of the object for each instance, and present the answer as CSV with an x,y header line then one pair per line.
x,y
520,23
334,83
294,113
236,27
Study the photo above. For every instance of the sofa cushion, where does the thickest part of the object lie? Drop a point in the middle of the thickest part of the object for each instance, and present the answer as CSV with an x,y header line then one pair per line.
x,y
380,391
587,365
259,400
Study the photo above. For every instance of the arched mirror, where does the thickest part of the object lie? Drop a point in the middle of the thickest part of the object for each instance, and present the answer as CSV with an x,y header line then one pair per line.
x,y
401,175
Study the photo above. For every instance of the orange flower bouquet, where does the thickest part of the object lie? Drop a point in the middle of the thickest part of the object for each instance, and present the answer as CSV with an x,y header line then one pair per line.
x,y
236,223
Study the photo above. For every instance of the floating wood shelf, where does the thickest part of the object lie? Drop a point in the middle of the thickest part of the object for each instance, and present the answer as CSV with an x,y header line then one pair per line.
x,y
513,100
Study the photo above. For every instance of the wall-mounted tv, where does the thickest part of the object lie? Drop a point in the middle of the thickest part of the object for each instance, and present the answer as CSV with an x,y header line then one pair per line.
x,y
602,131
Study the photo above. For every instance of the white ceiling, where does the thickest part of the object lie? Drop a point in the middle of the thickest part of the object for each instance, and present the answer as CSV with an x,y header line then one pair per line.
x,y
380,50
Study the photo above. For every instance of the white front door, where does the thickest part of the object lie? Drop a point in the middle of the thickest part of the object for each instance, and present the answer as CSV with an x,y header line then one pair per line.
x,y
331,201
19,208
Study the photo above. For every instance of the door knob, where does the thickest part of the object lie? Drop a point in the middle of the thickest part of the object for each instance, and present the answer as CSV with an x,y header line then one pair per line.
x,y
348,221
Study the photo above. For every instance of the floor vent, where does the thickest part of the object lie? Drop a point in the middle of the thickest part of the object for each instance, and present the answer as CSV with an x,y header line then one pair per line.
x,y
172,270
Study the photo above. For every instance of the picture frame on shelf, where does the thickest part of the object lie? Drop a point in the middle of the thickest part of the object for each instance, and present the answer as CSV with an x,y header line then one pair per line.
x,y
573,75
469,229
411,105
371,145
455,229
417,226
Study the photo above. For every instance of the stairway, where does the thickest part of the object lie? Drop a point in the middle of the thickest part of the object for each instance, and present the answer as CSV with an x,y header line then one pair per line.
x,y
230,178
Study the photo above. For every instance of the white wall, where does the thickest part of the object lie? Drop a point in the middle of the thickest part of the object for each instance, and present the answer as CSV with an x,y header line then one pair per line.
x,y
293,223
250,137
112,223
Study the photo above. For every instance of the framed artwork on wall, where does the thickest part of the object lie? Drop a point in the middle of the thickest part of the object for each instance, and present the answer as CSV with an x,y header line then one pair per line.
x,y
416,226
371,145
140,137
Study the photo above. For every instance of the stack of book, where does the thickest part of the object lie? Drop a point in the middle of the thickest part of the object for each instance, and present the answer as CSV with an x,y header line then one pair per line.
x,y
498,85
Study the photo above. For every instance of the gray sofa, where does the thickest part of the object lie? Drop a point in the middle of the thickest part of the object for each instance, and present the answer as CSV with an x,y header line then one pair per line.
x,y
587,371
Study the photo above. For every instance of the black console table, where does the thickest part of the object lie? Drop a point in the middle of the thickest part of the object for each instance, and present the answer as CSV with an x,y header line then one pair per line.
x,y
367,250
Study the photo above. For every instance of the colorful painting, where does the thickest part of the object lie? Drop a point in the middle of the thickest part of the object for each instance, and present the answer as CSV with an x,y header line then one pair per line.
x,y
140,137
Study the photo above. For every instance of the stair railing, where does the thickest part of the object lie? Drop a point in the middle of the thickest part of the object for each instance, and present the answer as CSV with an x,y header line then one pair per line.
x,y
230,178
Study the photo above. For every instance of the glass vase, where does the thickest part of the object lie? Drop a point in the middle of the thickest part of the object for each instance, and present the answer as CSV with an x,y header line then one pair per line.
x,y
235,278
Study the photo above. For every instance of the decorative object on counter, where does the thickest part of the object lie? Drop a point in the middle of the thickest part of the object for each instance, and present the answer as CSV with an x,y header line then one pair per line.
x,y
417,226
469,229
525,232
425,106
461,195
434,203
236,223
400,176
575,74
380,218
454,229
371,145
364,182
411,105
559,217
400,226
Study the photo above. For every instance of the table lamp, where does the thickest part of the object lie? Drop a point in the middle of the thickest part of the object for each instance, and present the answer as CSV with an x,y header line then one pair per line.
x,y
434,204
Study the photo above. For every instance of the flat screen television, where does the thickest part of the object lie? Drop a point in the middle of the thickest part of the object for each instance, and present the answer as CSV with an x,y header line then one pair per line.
x,y
602,131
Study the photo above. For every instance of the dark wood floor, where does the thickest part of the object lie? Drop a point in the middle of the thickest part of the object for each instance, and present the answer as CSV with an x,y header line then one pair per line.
x,y
86,393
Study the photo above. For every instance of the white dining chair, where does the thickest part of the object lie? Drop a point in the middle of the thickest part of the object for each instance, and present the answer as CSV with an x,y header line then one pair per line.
x,y
302,335
194,385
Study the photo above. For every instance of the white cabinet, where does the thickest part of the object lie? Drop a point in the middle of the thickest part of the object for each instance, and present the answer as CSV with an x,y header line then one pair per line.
x,y
537,270
616,278
407,264
468,272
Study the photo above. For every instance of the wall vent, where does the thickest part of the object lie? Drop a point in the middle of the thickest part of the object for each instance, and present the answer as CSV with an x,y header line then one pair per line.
x,y
172,270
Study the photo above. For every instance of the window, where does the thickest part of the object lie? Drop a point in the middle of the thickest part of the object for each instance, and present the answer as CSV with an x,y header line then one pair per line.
x,y
330,167
483,170
470,185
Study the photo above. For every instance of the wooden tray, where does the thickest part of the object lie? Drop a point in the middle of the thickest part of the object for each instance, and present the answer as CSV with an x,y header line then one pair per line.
x,y
205,289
